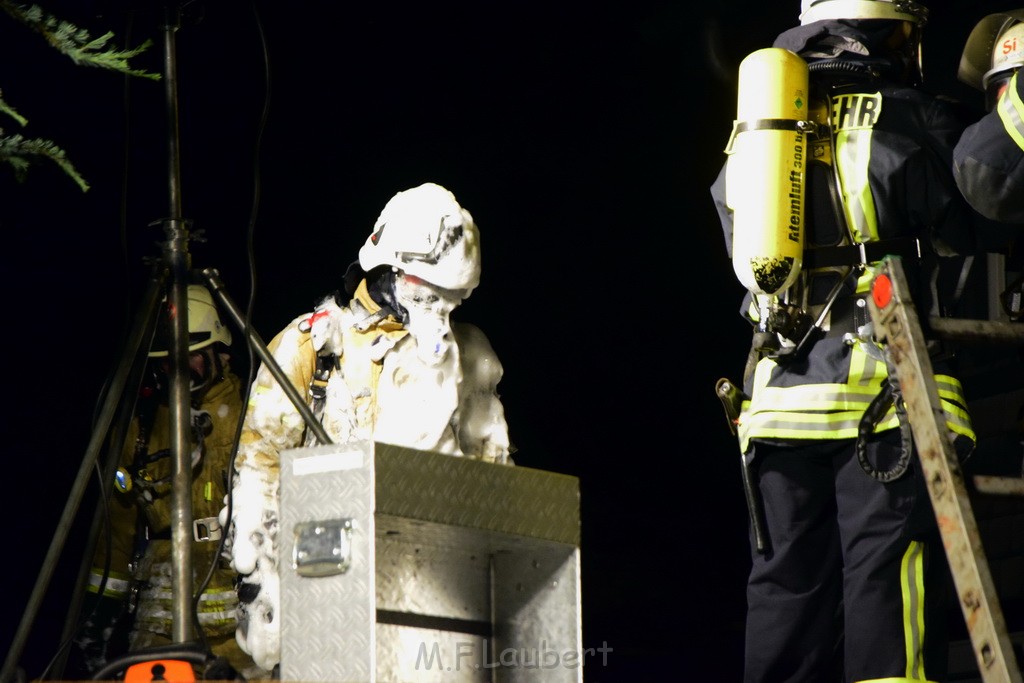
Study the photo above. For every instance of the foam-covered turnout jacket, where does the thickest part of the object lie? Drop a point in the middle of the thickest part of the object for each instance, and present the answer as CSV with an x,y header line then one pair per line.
x,y
376,388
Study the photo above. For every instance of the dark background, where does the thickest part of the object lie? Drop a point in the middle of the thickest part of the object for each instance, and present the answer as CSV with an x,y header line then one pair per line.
x,y
583,138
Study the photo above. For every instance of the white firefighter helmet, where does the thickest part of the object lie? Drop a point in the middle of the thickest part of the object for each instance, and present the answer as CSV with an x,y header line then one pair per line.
x,y
204,325
994,49
906,10
424,232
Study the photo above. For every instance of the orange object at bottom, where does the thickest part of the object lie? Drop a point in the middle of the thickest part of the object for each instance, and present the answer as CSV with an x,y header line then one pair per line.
x,y
172,670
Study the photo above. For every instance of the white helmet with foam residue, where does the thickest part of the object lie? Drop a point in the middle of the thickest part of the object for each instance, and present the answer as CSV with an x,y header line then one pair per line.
x,y
424,232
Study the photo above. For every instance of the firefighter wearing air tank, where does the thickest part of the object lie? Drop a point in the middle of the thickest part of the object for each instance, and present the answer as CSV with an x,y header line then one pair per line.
x,y
134,610
851,552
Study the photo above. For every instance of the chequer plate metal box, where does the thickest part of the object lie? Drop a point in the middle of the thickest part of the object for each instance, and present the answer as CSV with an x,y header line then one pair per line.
x,y
408,566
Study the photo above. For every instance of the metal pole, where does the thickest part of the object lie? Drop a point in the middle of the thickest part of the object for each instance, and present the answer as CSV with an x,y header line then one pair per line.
x,y
177,259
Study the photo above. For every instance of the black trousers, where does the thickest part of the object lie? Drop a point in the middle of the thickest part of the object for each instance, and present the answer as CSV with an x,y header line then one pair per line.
x,y
855,585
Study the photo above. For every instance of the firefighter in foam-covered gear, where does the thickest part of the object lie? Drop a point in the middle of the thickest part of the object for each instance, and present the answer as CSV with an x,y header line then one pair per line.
x,y
989,158
137,594
384,364
851,582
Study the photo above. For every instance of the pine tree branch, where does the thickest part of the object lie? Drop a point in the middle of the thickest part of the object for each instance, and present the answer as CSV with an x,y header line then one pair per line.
x,y
20,153
9,110
84,50
76,42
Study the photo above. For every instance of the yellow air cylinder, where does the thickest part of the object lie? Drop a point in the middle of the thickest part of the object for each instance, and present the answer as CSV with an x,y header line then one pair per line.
x,y
766,170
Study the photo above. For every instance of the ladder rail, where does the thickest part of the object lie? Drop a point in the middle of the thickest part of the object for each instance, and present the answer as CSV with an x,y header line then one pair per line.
x,y
897,326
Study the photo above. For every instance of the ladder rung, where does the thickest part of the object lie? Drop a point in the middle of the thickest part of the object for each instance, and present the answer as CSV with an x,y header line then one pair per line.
x,y
1001,486
967,330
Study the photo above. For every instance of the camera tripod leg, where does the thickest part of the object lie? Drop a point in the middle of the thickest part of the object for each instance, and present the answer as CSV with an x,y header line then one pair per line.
x,y
142,331
100,523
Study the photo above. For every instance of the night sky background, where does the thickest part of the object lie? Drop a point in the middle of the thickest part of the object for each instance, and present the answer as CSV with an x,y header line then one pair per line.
x,y
583,138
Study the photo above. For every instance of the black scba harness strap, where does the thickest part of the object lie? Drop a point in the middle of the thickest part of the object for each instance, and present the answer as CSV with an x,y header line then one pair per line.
x,y
326,363
861,253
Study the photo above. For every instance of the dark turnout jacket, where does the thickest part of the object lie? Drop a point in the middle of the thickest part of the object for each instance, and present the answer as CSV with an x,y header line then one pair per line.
x,y
989,159
893,146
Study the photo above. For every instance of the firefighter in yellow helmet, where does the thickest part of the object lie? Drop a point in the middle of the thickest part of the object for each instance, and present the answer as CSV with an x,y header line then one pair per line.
x,y
848,577
385,363
988,158
135,609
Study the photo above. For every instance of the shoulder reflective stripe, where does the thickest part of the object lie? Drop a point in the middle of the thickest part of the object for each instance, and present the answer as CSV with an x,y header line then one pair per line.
x,y
912,585
853,156
853,116
1011,112
116,585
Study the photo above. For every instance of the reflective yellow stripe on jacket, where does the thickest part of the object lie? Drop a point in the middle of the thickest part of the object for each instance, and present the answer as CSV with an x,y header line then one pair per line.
x,y
117,585
216,611
853,116
1011,112
833,411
